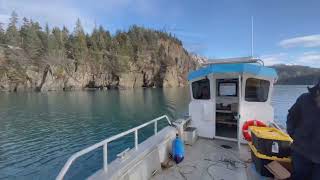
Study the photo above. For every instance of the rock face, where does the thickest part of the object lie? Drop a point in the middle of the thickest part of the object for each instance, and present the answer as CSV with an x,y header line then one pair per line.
x,y
167,69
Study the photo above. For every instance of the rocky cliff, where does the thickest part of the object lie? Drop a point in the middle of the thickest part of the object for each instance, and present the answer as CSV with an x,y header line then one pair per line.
x,y
166,65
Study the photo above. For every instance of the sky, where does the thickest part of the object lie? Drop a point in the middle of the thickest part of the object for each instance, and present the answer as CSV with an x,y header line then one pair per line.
x,y
285,31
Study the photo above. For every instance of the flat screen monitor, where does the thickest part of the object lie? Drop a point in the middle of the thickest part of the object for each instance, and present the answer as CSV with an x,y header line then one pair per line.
x,y
227,89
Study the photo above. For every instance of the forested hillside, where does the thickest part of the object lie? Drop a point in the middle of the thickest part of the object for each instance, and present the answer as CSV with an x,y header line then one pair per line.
x,y
52,58
297,75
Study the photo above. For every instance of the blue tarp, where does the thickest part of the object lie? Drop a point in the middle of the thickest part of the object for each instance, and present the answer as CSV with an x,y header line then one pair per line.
x,y
241,68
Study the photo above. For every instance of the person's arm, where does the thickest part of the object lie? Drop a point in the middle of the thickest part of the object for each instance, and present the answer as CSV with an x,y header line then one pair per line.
x,y
293,117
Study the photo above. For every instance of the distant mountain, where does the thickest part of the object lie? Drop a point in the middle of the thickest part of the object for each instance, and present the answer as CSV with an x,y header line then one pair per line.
x,y
199,59
297,75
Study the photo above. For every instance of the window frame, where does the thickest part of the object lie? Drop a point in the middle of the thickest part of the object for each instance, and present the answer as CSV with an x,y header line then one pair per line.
x,y
245,90
209,86
237,88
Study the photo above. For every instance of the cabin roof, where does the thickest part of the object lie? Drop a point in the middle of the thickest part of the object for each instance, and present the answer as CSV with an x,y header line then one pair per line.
x,y
241,68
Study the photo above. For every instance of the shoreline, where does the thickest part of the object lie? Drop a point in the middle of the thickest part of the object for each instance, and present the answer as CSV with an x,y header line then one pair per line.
x,y
118,89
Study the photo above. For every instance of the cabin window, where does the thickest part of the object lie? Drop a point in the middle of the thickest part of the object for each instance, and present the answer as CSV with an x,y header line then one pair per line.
x,y
227,87
257,90
201,89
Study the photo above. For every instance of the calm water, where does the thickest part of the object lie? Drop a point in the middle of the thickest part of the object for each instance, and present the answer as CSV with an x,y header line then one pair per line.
x,y
39,131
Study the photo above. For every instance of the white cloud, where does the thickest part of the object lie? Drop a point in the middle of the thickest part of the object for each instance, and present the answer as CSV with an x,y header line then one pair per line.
x,y
56,13
303,41
61,12
272,59
4,18
309,58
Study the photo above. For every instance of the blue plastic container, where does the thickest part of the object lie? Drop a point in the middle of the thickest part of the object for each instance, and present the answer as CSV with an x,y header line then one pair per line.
x,y
177,150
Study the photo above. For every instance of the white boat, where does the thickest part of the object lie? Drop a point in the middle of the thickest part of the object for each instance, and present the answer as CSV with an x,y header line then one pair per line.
x,y
225,96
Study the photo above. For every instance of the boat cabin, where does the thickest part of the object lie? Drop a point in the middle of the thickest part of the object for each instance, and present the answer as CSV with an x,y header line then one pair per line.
x,y
226,95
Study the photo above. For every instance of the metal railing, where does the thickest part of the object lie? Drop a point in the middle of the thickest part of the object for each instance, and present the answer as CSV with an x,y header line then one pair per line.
x,y
105,142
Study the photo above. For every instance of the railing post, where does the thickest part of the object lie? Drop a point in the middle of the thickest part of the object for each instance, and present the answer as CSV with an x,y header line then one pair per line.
x,y
136,139
105,157
155,127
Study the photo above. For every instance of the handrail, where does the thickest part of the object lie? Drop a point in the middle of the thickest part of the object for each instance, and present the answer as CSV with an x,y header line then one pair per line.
x,y
105,142
231,60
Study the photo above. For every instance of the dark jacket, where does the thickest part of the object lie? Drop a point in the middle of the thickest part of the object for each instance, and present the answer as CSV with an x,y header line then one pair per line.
x,y
303,125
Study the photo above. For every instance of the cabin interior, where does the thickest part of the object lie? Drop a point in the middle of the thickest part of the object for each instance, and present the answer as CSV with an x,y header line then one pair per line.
x,y
227,103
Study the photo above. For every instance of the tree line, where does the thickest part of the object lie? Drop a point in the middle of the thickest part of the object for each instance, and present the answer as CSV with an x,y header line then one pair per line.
x,y
100,48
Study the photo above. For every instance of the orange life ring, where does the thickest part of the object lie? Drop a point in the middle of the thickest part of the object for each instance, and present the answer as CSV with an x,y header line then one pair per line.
x,y
247,124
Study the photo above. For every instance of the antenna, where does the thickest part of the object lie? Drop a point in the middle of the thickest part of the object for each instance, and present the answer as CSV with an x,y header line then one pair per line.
x,y
251,36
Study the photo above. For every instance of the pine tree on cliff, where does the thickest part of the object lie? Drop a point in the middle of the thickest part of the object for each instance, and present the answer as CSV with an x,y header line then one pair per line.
x,y
40,35
2,34
25,33
12,34
93,39
121,52
104,39
67,43
96,55
45,39
30,40
99,44
80,49
53,42
58,42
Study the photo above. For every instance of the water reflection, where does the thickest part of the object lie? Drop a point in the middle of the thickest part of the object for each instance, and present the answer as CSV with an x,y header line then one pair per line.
x,y
39,131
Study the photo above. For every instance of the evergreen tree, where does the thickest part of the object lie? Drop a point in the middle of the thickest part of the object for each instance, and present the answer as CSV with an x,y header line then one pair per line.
x,y
30,40
93,40
53,42
65,34
40,35
12,34
45,39
79,44
47,30
67,40
104,39
57,37
2,34
25,32
100,50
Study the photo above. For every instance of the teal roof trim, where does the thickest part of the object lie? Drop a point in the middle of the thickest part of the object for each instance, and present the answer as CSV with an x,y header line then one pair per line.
x,y
253,69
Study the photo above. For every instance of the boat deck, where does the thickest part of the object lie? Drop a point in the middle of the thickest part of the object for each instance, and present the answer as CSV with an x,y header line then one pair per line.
x,y
208,159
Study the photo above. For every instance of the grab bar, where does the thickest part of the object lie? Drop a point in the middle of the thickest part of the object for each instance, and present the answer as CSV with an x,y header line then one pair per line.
x,y
105,142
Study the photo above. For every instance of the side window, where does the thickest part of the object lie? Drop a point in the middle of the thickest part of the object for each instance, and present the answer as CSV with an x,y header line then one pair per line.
x,y
257,90
201,89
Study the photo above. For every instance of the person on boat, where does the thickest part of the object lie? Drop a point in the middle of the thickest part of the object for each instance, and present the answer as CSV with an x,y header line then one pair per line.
x,y
303,125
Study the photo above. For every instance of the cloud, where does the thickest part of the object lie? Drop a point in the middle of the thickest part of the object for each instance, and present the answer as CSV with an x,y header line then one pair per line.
x,y
272,59
61,12
56,13
4,18
309,58
303,41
